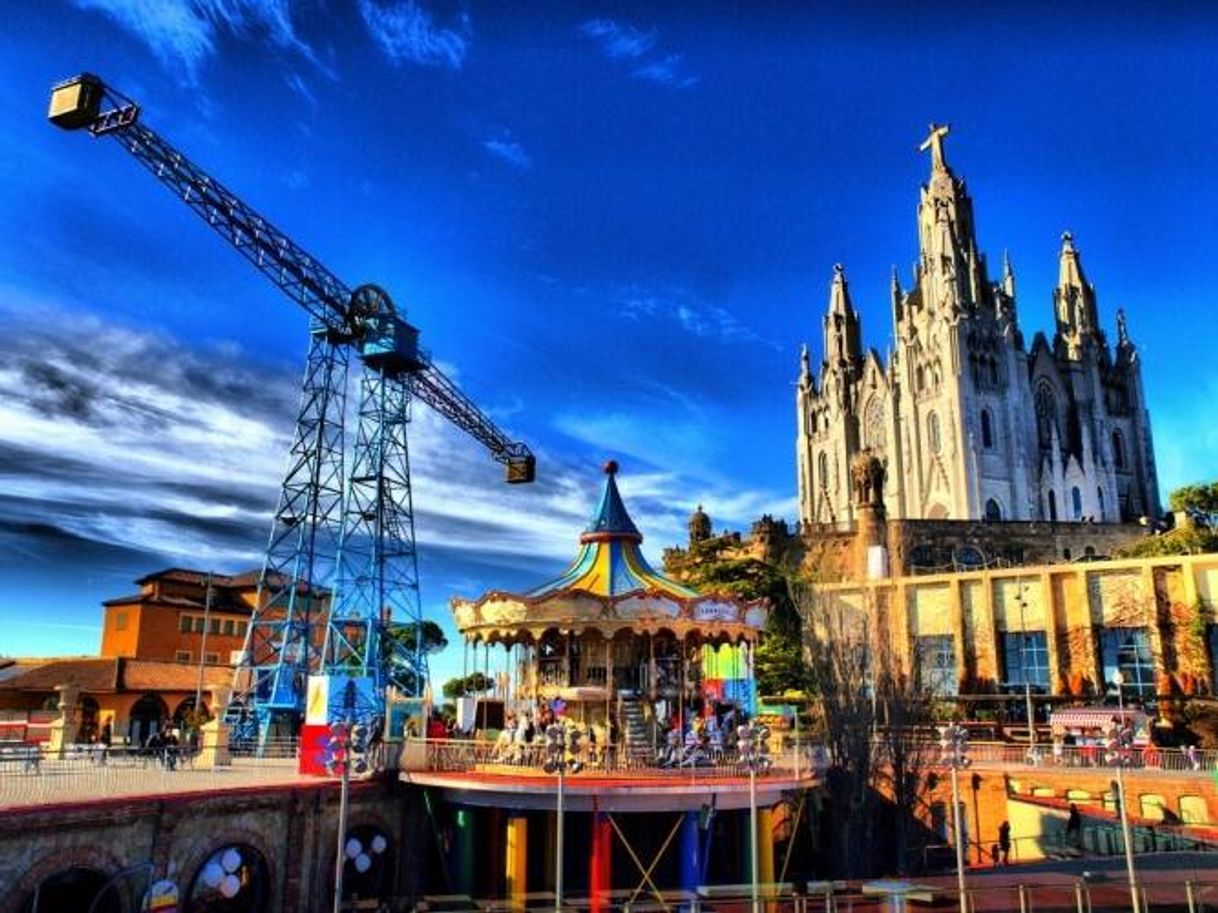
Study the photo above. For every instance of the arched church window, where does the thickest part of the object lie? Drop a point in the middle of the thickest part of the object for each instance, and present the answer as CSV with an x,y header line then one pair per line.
x,y
812,421
822,470
874,434
1076,502
1052,499
1046,415
987,429
993,510
932,431
1118,449
993,372
1099,494
919,378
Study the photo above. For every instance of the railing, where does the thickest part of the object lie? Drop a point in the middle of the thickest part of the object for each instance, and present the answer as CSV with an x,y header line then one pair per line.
x,y
461,755
1084,756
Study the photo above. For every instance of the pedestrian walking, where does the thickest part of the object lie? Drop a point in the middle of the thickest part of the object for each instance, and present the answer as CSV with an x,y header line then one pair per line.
x,y
1074,827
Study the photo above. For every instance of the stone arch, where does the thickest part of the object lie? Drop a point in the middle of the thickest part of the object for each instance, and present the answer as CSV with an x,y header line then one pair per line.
x,y
254,870
1047,420
993,510
146,716
81,857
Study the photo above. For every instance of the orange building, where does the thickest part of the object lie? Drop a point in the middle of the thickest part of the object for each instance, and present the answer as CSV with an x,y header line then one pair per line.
x,y
173,617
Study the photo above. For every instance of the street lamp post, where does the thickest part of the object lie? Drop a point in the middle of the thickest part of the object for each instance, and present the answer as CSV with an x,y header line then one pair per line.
x,y
1027,680
751,747
1119,756
953,745
346,751
561,745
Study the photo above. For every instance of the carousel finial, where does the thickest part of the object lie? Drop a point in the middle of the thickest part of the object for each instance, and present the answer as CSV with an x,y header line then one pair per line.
x,y
610,467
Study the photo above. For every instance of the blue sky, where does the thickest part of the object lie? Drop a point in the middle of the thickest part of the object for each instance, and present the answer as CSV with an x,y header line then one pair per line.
x,y
614,224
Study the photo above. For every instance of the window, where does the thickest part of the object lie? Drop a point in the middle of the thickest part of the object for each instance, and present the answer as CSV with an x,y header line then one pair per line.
x,y
1025,659
1151,806
1193,810
241,628
1118,449
932,431
230,626
874,434
198,624
211,658
120,621
1128,649
1046,415
214,627
987,430
184,624
935,658
181,656
993,510
822,470
1053,506
1076,502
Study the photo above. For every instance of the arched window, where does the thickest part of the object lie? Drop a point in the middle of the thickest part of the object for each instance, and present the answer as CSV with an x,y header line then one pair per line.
x,y
919,378
987,429
1053,505
874,434
1118,449
822,470
1099,494
932,431
1076,502
233,879
993,510
1046,415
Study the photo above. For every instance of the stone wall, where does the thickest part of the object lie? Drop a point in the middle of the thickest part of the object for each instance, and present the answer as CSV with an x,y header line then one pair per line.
x,y
294,828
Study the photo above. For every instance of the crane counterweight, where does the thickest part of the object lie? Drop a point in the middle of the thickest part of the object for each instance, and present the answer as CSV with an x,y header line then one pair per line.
x,y
76,102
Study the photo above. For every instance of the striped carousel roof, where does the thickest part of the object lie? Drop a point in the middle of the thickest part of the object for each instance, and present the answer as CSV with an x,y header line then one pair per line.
x,y
609,562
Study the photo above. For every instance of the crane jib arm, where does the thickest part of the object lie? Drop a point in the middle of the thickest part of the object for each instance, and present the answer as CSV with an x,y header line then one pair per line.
x,y
363,318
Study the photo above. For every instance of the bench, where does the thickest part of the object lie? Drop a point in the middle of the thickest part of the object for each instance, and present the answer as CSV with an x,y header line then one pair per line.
x,y
28,756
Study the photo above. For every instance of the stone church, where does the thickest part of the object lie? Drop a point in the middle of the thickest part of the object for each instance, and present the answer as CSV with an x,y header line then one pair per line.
x,y
968,422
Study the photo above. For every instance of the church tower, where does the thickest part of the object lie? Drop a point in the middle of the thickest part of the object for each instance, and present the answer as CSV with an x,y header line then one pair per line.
x,y
965,422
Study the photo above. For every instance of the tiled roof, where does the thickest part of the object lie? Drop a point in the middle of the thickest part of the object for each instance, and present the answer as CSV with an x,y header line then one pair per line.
x,y
218,604
157,675
91,674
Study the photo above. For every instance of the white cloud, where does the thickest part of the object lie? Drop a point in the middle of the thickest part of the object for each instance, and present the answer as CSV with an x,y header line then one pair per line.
x,y
183,32
625,42
408,33
509,150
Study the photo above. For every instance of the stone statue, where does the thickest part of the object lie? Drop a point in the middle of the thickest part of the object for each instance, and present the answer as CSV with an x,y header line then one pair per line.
x,y
934,143
867,478
1122,328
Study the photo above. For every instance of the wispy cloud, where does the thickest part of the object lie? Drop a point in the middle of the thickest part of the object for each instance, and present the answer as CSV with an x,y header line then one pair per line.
x,y
627,43
508,149
666,71
182,33
682,305
407,32
619,40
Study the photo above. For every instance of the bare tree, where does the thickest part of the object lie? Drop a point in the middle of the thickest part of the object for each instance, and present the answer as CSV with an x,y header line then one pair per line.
x,y
872,705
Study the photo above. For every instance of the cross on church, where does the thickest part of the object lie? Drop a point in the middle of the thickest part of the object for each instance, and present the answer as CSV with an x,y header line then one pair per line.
x,y
934,143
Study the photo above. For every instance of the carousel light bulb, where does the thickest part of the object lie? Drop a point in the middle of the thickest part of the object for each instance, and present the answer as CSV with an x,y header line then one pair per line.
x,y
230,886
354,848
231,860
379,844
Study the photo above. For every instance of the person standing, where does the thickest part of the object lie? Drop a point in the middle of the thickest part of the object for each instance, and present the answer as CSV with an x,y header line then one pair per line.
x,y
1004,841
1074,828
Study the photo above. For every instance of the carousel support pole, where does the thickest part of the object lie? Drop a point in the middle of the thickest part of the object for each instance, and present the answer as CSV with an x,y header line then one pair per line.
x,y
517,862
608,679
600,864
466,851
691,851
681,692
765,849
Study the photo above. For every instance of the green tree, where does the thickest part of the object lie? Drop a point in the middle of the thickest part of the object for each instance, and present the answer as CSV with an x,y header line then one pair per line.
x,y
475,683
1200,503
398,651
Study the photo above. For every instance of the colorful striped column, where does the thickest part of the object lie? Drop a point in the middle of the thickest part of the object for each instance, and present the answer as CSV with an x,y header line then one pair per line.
x,y
463,865
690,851
600,864
765,847
517,861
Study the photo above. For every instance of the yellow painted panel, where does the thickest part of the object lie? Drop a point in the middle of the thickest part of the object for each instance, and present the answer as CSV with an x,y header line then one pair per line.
x,y
930,609
1007,594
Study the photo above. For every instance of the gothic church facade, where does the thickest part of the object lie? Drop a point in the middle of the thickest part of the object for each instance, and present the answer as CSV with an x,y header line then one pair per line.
x,y
968,422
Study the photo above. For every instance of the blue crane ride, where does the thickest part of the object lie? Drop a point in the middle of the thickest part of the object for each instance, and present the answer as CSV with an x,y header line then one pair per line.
x,y
339,589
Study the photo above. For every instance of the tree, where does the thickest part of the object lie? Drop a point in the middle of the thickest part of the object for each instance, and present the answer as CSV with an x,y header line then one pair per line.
x,y
400,645
871,705
1198,534
475,683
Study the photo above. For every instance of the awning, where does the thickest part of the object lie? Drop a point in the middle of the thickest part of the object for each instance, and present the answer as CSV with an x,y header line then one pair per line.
x,y
1095,717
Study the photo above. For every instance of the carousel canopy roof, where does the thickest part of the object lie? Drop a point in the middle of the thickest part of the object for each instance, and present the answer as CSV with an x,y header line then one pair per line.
x,y
610,562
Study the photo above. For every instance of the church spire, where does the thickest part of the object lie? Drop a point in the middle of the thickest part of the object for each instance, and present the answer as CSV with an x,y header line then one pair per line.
x,y
805,368
1073,301
842,344
934,142
1008,275
949,269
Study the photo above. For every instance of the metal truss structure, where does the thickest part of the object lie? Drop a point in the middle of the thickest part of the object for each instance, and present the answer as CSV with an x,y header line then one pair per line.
x,y
338,592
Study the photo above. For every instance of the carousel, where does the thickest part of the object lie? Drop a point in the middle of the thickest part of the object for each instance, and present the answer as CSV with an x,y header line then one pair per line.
x,y
646,671
612,644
